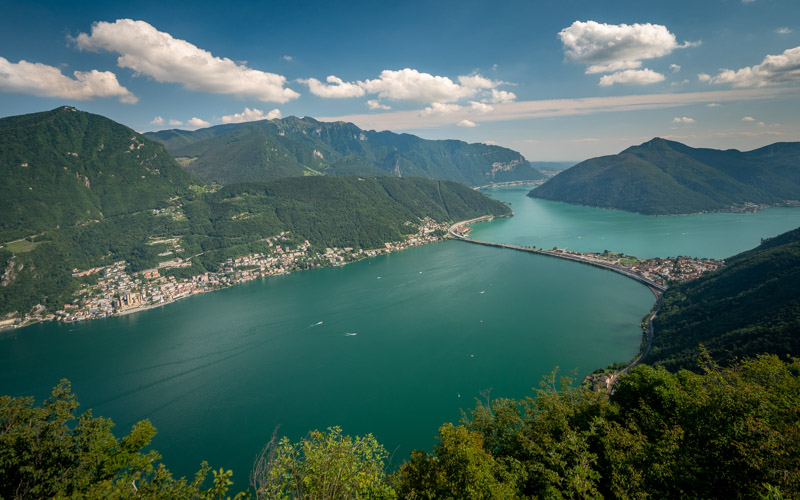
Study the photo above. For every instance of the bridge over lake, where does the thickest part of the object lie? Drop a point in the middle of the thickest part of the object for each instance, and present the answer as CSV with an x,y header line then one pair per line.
x,y
455,231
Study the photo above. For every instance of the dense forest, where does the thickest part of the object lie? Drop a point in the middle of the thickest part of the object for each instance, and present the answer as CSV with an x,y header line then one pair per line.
x,y
66,167
662,177
83,191
722,433
749,307
271,149
233,221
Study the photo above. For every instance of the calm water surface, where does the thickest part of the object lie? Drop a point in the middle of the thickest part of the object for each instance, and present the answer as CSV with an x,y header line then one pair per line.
x,y
434,326
394,345
548,224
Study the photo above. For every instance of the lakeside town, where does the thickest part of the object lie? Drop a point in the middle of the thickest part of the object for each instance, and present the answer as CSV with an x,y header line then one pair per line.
x,y
117,291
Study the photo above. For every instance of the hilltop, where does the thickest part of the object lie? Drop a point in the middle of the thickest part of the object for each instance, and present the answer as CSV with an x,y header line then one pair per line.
x,y
66,167
271,149
662,177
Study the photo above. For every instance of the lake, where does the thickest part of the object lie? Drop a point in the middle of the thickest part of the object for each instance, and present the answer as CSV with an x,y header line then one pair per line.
x,y
394,345
548,224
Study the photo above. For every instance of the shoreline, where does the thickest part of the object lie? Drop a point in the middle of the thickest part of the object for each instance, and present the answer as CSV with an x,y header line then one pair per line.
x,y
422,238
748,209
460,229
457,228
537,182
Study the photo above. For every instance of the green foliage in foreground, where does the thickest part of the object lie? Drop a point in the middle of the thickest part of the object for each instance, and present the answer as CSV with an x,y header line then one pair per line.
x,y
726,433
723,433
323,465
48,452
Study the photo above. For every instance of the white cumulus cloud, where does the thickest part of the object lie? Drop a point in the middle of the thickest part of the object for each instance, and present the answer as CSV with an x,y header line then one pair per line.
x,y
47,81
175,123
501,96
375,104
467,123
336,90
632,77
748,119
773,70
411,85
481,107
414,86
683,119
198,122
251,115
158,120
783,31
438,108
606,48
159,55
675,67
476,81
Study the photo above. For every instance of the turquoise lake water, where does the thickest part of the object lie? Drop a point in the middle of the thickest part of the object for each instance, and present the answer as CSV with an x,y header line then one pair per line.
x,y
394,345
548,224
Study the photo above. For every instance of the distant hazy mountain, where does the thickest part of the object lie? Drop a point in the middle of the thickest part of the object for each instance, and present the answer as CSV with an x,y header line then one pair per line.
x,y
64,167
751,306
663,177
552,166
291,147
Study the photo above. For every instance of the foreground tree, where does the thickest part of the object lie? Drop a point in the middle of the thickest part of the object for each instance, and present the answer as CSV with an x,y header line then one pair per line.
x,y
46,451
723,433
324,465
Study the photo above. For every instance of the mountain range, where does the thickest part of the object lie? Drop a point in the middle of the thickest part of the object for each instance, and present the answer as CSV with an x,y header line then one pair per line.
x,y
662,177
270,149
81,191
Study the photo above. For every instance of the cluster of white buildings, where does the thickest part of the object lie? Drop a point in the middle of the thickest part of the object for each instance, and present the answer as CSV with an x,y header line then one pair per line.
x,y
120,292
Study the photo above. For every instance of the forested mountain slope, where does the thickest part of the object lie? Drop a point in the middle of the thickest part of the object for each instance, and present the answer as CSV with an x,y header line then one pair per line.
x,y
271,149
65,167
663,177
749,307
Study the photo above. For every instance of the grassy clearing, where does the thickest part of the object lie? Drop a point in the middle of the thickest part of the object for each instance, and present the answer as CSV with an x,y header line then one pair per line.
x,y
22,246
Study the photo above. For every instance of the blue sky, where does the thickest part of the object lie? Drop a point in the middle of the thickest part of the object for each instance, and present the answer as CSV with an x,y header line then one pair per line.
x,y
554,80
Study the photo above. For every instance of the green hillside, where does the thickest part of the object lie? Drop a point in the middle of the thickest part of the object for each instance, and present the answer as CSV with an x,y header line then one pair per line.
x,y
751,306
66,167
81,191
272,149
663,177
234,221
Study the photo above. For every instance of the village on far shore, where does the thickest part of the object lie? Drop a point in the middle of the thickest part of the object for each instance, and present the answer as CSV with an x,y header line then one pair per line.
x,y
118,291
